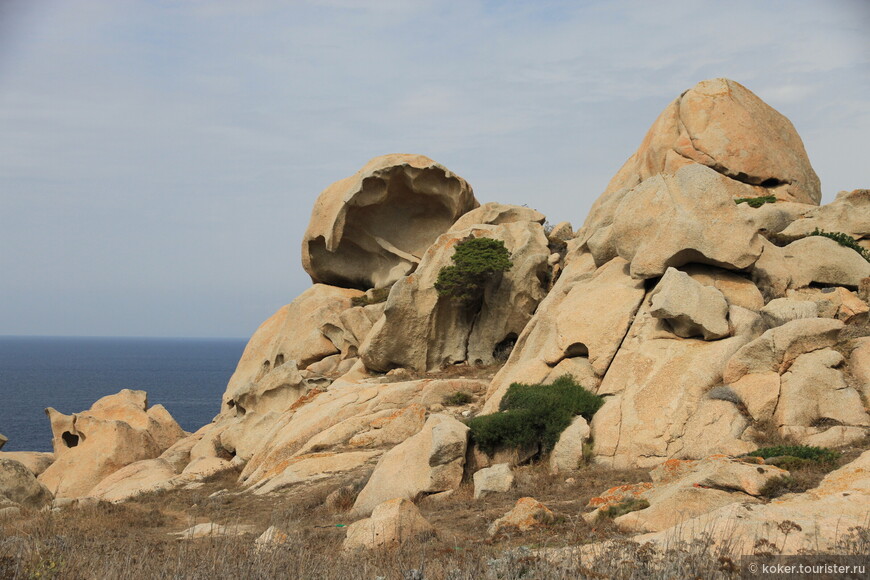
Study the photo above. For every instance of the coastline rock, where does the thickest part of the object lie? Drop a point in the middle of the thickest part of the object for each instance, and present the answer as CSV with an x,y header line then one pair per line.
x,y
19,486
118,430
135,479
3,440
371,229
35,461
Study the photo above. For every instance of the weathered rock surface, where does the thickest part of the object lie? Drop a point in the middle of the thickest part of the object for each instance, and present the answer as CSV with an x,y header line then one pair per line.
x,y
578,327
849,213
782,310
211,530
266,376
495,479
19,486
690,308
371,229
118,430
429,462
721,124
35,461
3,440
657,407
494,213
528,513
437,330
135,479
817,519
273,537
683,489
568,451
703,223
392,522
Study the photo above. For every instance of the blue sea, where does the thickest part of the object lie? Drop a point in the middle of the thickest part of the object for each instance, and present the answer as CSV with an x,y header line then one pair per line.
x,y
185,375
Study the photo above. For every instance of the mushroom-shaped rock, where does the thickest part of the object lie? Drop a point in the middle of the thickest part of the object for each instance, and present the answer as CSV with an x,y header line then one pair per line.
x,y
723,125
391,523
370,229
431,461
118,430
18,485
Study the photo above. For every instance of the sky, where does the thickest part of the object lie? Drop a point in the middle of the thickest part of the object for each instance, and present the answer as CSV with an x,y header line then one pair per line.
x,y
159,159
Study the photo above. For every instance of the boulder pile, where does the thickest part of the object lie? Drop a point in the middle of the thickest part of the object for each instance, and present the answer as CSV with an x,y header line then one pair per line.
x,y
698,298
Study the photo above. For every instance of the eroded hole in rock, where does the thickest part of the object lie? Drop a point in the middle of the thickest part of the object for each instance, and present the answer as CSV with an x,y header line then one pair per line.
x,y
70,439
771,182
264,370
576,349
279,360
503,349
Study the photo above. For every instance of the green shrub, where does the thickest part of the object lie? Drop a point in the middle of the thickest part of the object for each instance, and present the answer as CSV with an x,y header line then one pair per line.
x,y
624,507
844,240
458,399
778,486
817,454
755,201
476,261
534,415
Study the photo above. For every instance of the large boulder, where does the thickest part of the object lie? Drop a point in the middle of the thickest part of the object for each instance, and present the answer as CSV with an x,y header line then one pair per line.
x,y
490,480
721,124
392,523
494,213
657,404
266,376
568,451
135,479
35,461
672,220
18,485
370,229
849,213
439,330
429,462
689,307
118,430
576,330
528,513
343,422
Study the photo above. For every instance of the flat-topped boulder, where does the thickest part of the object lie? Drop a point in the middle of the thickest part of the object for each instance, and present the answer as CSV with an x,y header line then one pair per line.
x,y
370,229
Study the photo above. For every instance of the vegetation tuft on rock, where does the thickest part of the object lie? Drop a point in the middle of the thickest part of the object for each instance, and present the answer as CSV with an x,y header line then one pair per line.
x,y
844,240
534,415
476,261
817,454
756,201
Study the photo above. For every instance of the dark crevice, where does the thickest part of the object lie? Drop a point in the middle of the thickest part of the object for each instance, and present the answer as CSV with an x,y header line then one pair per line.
x,y
70,439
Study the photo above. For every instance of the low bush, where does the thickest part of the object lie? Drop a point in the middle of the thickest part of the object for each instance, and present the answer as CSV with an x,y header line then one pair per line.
x,y
624,507
534,415
458,399
844,240
755,201
816,454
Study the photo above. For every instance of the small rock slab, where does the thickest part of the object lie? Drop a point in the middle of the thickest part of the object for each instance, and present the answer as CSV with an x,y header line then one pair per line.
x,y
528,513
495,479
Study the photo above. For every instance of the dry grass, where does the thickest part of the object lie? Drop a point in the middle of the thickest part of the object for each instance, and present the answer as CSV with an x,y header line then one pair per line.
x,y
132,540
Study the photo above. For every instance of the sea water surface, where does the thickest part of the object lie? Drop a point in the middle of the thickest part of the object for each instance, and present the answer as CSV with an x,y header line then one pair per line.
x,y
185,375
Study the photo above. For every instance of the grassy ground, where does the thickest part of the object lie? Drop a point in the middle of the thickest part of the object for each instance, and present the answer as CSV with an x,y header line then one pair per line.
x,y
133,539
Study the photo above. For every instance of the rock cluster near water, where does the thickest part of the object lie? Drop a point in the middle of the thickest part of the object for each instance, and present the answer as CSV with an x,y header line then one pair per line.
x,y
703,323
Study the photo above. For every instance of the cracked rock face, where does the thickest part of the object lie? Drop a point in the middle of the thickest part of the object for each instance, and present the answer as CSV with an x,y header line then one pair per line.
x,y
723,125
370,229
